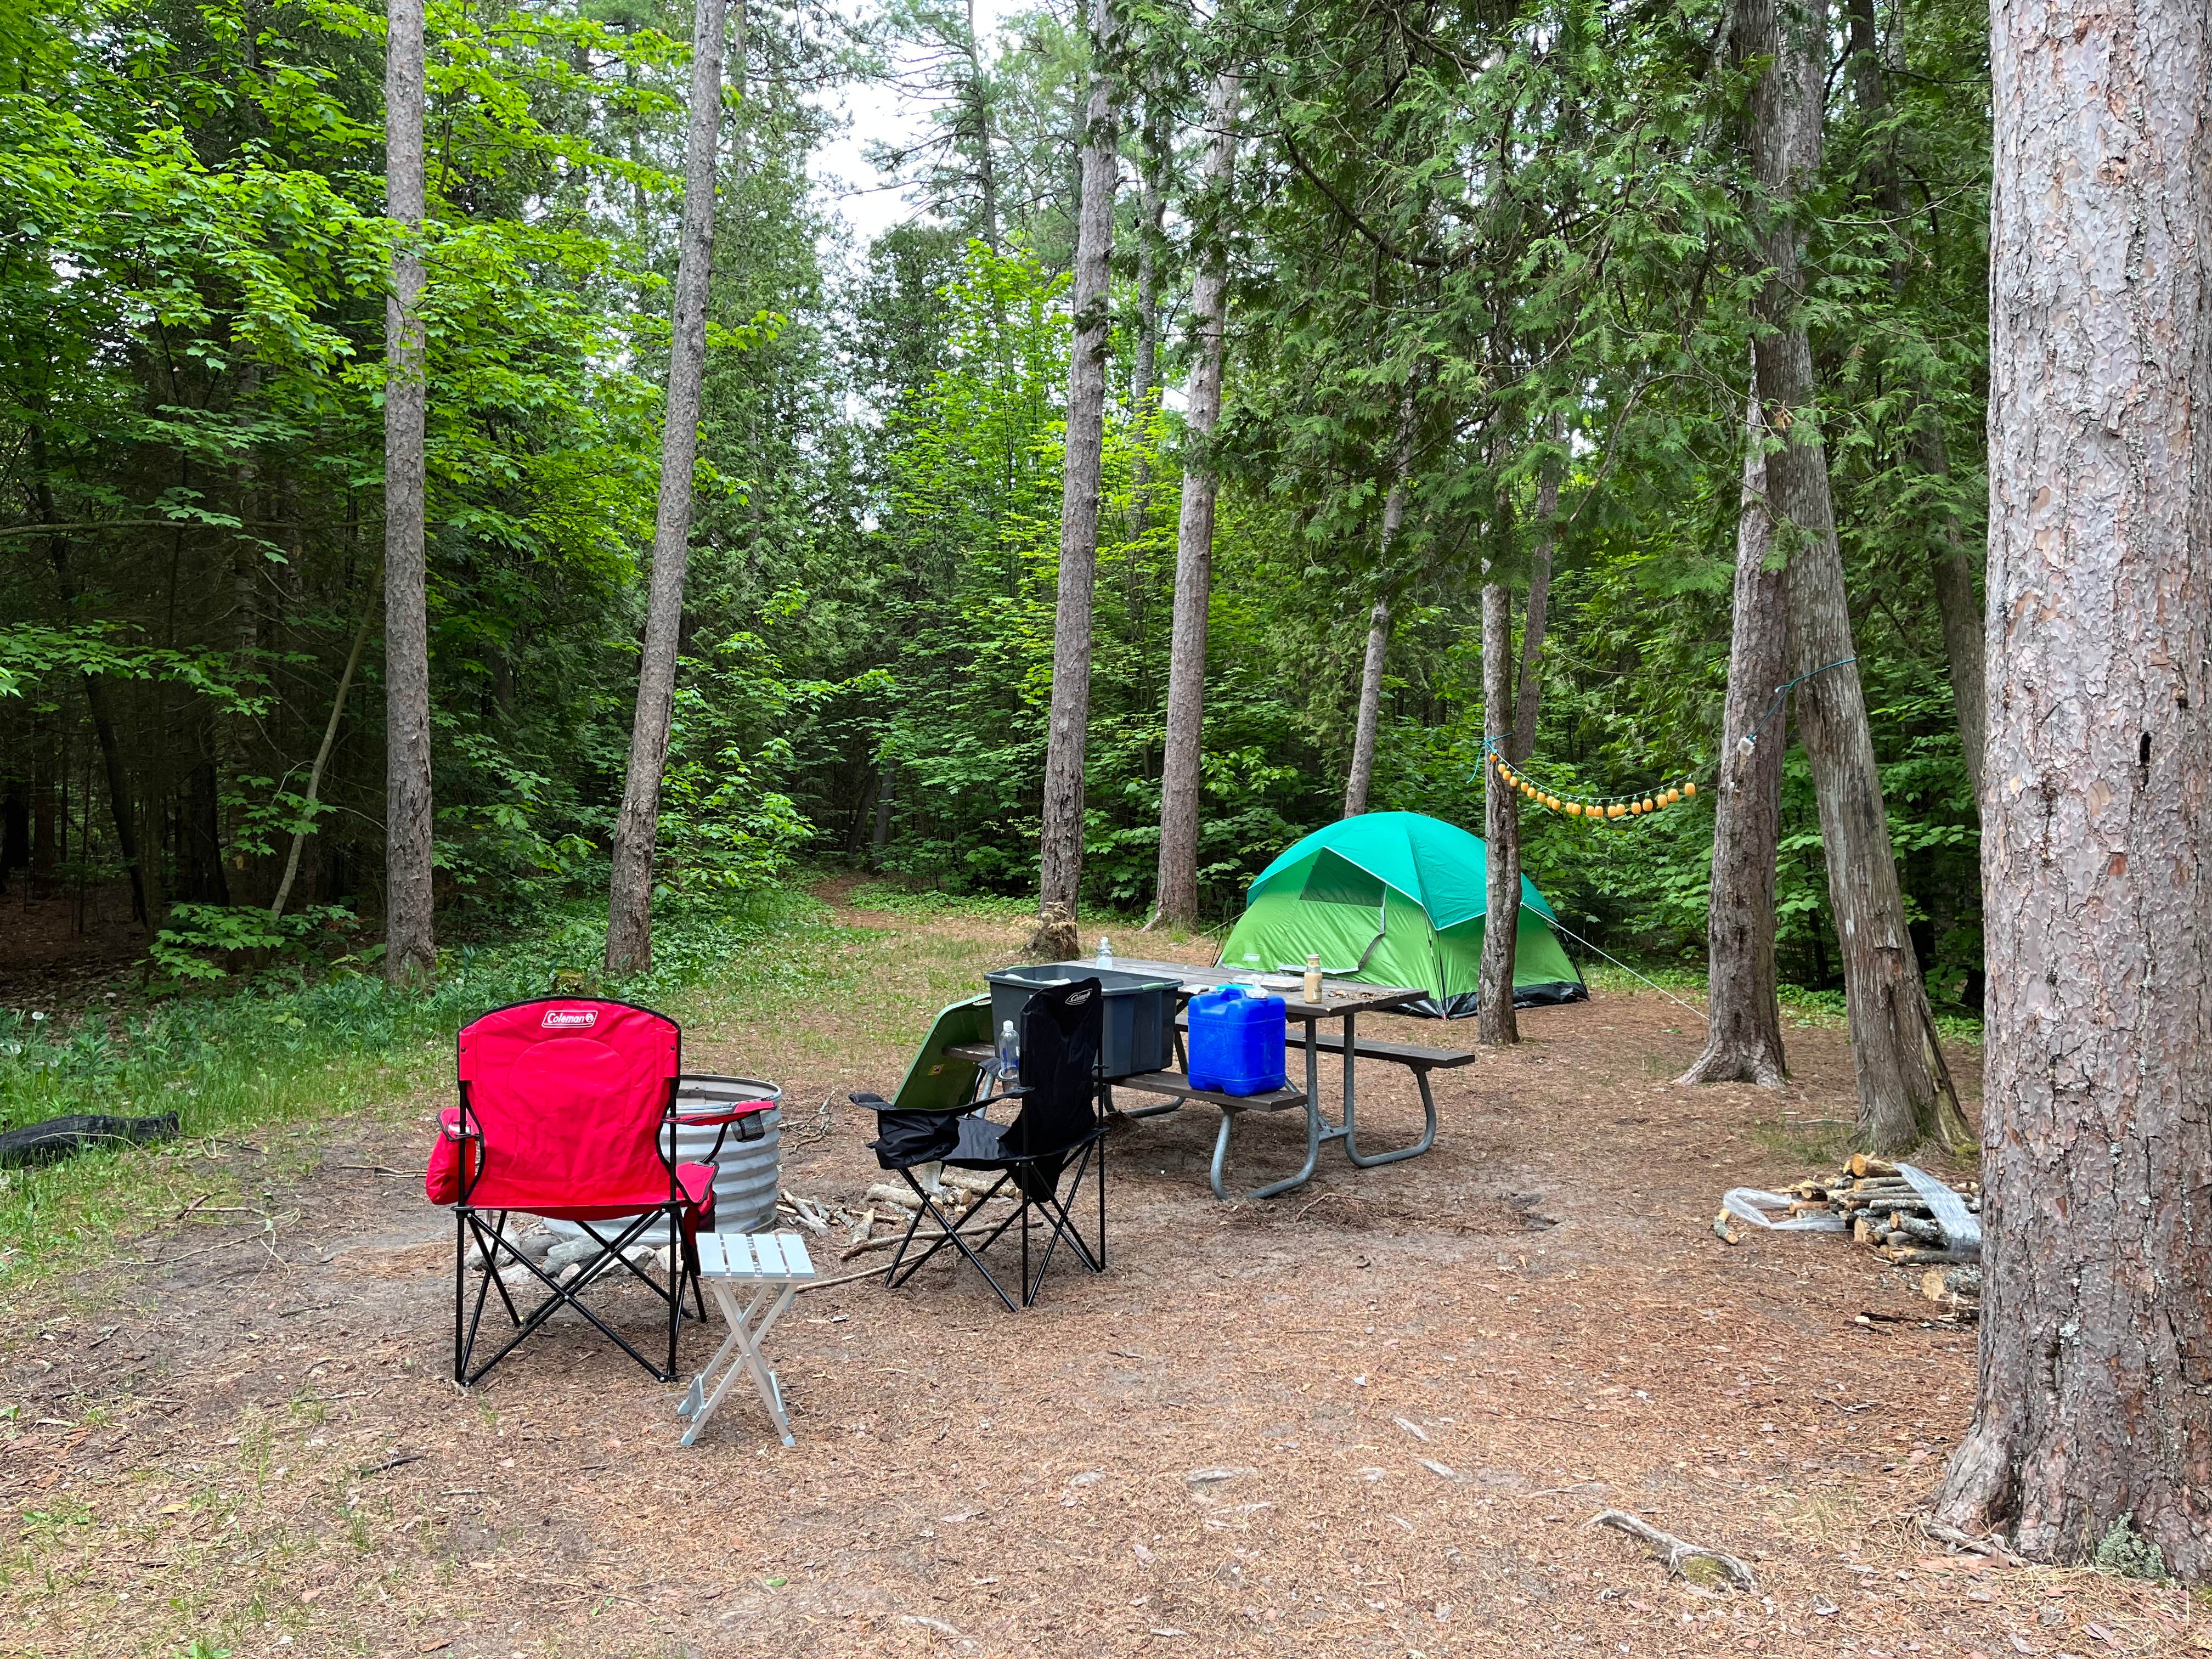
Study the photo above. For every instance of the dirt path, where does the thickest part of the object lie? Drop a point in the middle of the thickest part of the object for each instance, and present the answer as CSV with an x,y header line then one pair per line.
x,y
1371,1418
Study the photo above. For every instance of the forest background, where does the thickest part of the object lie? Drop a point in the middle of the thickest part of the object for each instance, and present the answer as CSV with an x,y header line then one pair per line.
x,y
1492,249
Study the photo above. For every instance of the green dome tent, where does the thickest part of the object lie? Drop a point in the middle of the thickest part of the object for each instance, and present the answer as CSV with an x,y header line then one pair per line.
x,y
1396,898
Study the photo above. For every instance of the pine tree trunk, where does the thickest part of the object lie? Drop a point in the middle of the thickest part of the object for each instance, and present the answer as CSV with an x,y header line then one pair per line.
x,y
410,949
629,895
1060,861
1886,1003
2096,1340
1743,1039
1180,786
1495,1022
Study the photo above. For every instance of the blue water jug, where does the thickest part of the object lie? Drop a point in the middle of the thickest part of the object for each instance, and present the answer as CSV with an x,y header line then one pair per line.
x,y
1236,1042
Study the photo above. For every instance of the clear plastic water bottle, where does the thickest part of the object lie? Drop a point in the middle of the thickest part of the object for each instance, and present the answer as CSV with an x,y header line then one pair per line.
x,y
1010,1052
1105,951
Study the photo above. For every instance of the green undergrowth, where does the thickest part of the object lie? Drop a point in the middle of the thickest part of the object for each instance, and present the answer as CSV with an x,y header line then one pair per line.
x,y
341,1046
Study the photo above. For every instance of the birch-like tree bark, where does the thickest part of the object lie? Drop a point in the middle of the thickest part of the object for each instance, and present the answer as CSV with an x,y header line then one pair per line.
x,y
1367,716
1180,780
1060,861
411,951
1891,1027
1743,1037
629,893
2096,1337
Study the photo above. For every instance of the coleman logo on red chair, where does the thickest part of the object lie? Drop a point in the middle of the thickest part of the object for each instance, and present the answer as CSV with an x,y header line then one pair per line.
x,y
568,1019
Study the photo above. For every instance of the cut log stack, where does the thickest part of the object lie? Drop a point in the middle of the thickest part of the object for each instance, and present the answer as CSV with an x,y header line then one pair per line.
x,y
1885,1214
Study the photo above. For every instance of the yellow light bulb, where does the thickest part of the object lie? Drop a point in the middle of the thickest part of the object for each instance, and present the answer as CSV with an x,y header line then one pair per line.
x,y
1689,788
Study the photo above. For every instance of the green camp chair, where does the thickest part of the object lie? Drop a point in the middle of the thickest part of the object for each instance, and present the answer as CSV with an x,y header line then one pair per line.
x,y
937,1081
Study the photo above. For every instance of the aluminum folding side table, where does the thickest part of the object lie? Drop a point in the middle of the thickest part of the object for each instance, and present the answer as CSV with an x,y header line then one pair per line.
x,y
773,1266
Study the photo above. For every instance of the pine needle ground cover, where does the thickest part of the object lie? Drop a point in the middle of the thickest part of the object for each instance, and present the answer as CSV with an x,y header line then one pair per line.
x,y
1371,1418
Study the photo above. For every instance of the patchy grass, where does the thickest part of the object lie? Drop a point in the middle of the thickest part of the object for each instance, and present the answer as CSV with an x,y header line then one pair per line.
x,y
276,1053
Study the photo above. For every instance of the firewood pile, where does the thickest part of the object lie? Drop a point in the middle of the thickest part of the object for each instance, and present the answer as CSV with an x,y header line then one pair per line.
x,y
1908,1219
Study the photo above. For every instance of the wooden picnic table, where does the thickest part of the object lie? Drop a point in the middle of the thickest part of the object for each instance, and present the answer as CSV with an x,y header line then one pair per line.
x,y
1343,1000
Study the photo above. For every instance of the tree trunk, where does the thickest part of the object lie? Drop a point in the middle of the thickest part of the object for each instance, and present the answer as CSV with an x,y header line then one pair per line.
x,y
1368,717
2096,1340
145,905
306,825
1886,1003
629,893
48,768
1950,569
145,902
1144,377
1180,785
1528,695
1060,873
1495,1022
879,836
410,951
1743,1037
977,93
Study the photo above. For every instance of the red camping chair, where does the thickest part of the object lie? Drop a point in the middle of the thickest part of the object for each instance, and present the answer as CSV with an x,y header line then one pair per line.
x,y
568,1110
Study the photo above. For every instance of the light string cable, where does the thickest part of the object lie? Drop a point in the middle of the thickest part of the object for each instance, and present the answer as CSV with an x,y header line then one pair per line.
x,y
1637,804
1781,691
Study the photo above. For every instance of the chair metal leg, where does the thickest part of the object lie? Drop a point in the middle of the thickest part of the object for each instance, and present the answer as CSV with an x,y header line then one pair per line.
x,y
461,1292
569,1295
952,1234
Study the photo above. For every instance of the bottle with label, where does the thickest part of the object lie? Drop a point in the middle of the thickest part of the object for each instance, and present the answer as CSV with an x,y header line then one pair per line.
x,y
1313,977
1010,1052
1105,951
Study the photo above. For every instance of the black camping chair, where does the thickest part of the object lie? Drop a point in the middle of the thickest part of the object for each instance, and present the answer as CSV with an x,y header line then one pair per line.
x,y
1058,1129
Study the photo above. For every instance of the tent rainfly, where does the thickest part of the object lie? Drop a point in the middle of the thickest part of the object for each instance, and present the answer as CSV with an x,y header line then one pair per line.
x,y
1396,898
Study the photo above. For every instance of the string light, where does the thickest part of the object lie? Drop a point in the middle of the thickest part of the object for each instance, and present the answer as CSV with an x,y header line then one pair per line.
x,y
1642,803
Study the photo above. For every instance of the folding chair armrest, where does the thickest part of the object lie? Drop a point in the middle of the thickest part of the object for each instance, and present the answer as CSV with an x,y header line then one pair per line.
x,y
457,1124
749,1110
878,1103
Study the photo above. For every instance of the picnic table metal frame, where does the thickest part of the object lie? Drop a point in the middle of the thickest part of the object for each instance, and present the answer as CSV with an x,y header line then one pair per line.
x,y
1340,1000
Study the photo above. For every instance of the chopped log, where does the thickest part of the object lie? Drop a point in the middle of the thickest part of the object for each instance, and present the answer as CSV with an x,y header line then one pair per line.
x,y
1863,1231
1906,1256
1864,1165
1810,1207
1926,1232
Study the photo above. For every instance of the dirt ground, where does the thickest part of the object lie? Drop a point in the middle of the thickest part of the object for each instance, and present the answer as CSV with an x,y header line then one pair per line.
x,y
1373,1417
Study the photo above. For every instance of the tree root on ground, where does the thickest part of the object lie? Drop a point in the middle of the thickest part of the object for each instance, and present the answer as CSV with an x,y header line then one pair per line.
x,y
1678,1550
